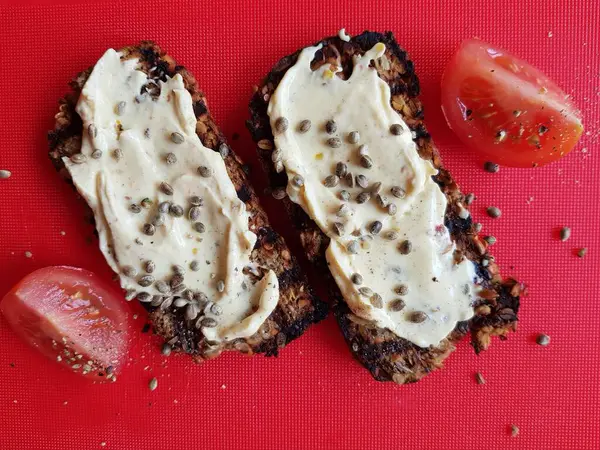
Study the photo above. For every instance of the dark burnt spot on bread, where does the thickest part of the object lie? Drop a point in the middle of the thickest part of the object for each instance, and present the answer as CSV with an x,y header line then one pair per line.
x,y
298,307
288,277
456,225
385,355
420,130
244,193
200,109
482,272
267,235
397,88
365,40
148,53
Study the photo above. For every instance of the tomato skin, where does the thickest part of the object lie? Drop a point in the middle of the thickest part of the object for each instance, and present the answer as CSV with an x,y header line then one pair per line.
x,y
506,110
72,317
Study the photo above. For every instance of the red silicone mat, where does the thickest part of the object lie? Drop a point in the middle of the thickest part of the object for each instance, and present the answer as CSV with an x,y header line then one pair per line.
x,y
314,396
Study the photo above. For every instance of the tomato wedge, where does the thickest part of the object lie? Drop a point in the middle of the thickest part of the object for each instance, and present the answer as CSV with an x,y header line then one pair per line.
x,y
506,110
73,317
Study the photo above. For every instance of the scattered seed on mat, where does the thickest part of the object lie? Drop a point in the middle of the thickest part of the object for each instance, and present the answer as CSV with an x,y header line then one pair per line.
x,y
514,430
493,212
491,167
543,340
479,378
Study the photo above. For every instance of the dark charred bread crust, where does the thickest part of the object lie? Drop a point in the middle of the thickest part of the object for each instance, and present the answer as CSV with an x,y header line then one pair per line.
x,y
298,307
388,357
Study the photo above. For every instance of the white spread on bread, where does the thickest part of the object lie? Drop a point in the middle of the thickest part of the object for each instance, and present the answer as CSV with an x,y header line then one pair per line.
x,y
394,265
140,151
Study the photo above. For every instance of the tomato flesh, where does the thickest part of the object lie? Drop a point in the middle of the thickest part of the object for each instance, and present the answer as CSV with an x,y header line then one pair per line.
x,y
73,317
505,109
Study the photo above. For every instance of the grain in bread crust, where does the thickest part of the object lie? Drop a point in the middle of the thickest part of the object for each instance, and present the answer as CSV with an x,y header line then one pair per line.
x,y
387,356
298,307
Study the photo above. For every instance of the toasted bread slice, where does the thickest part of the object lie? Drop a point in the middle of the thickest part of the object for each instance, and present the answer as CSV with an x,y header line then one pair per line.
x,y
298,307
387,356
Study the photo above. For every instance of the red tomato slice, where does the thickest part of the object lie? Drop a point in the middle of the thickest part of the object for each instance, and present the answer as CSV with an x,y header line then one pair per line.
x,y
73,317
505,109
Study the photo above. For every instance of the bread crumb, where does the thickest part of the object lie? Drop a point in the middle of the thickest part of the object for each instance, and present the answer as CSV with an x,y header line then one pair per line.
x,y
28,254
223,386
550,34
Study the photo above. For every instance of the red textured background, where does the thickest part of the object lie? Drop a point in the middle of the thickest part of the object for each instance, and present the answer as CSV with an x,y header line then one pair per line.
x,y
314,395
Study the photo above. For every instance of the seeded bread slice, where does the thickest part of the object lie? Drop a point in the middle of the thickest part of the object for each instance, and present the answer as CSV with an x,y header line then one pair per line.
x,y
385,355
298,306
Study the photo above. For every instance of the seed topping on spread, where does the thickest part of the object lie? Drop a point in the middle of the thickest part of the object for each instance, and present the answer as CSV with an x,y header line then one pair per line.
x,y
304,126
176,138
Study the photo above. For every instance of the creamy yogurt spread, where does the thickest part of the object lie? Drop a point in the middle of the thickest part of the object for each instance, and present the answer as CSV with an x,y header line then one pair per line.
x,y
353,167
168,217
